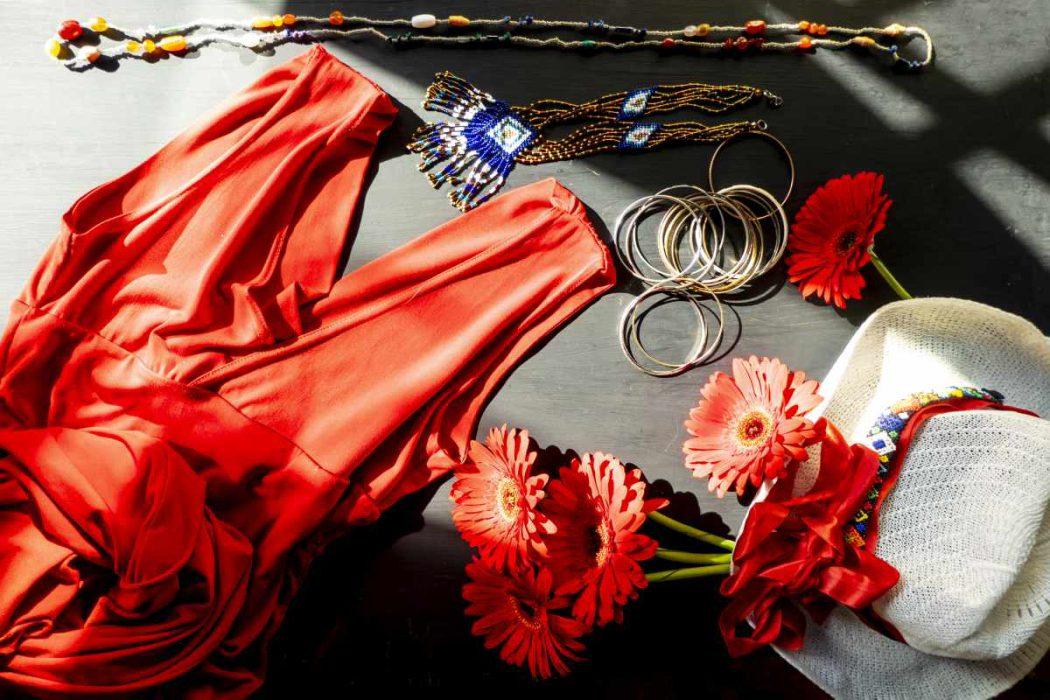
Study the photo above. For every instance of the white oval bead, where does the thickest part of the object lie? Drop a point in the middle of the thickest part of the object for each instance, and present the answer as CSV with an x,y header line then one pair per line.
x,y
690,30
423,21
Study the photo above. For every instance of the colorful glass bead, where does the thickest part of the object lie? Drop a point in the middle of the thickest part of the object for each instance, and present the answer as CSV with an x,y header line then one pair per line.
x,y
895,29
289,19
805,44
690,30
91,54
277,21
262,23
742,44
70,30
53,47
865,41
173,43
458,21
98,24
803,25
133,46
148,46
703,29
822,30
667,43
335,18
588,43
755,27
423,21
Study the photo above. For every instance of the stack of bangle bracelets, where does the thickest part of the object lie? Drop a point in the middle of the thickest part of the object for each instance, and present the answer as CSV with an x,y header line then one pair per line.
x,y
699,219
753,37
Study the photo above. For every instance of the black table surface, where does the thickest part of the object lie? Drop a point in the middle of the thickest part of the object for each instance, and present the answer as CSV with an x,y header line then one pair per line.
x,y
964,146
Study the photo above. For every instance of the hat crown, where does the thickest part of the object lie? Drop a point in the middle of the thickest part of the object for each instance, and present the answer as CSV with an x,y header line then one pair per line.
x,y
962,525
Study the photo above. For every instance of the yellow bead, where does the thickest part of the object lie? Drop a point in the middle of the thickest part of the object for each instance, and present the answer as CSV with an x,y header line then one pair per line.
x,y
148,46
703,29
173,43
98,24
458,21
133,46
277,21
262,23
53,47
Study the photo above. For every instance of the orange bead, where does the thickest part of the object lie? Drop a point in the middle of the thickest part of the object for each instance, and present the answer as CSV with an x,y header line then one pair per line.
x,y
803,25
822,30
289,19
805,44
336,17
755,26
173,43
458,21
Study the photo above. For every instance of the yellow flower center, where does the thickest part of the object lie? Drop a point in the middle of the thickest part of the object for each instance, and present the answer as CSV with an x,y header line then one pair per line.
x,y
754,428
600,543
525,611
508,498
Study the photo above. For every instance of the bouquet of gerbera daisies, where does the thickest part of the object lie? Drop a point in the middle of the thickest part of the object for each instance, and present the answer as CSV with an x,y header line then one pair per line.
x,y
560,553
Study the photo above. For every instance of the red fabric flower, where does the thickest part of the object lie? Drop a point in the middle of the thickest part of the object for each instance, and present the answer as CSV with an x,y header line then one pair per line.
x,y
793,555
597,506
751,427
516,612
496,499
832,233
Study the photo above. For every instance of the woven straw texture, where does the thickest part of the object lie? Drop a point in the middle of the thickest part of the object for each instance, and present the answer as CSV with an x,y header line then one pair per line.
x,y
967,523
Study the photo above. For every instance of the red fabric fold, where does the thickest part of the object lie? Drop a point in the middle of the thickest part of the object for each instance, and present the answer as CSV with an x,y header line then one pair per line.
x,y
793,556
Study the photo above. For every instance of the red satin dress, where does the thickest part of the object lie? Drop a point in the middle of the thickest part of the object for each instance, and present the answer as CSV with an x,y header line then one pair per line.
x,y
192,405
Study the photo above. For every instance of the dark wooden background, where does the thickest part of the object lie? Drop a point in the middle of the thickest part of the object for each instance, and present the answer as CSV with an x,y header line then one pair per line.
x,y
965,148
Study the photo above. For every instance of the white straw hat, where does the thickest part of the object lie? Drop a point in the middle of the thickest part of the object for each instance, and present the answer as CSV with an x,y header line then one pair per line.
x,y
966,524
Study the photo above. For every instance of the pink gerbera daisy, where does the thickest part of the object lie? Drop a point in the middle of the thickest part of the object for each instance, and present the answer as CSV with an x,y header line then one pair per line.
x,y
751,427
495,498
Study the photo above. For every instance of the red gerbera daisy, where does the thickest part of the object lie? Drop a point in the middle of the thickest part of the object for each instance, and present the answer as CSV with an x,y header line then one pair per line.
x,y
516,612
597,506
751,427
831,236
496,498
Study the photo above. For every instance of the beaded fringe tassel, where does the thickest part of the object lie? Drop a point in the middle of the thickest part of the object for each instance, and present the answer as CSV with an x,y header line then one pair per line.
x,y
480,142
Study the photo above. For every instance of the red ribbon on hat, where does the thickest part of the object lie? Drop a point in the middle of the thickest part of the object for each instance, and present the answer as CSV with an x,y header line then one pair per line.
x,y
793,555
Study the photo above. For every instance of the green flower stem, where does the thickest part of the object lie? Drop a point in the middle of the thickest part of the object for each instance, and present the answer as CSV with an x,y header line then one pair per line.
x,y
690,572
887,275
693,557
688,531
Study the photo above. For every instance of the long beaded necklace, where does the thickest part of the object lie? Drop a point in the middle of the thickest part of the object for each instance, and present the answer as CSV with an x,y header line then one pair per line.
x,y
486,137
755,36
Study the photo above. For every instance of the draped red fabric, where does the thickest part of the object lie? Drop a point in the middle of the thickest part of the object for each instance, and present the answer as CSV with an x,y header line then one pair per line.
x,y
191,403
793,555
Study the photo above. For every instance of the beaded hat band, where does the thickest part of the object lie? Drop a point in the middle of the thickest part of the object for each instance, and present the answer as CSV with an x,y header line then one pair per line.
x,y
883,438
486,137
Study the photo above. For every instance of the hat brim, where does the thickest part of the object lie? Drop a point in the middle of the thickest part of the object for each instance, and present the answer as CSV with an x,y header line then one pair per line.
x,y
923,344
